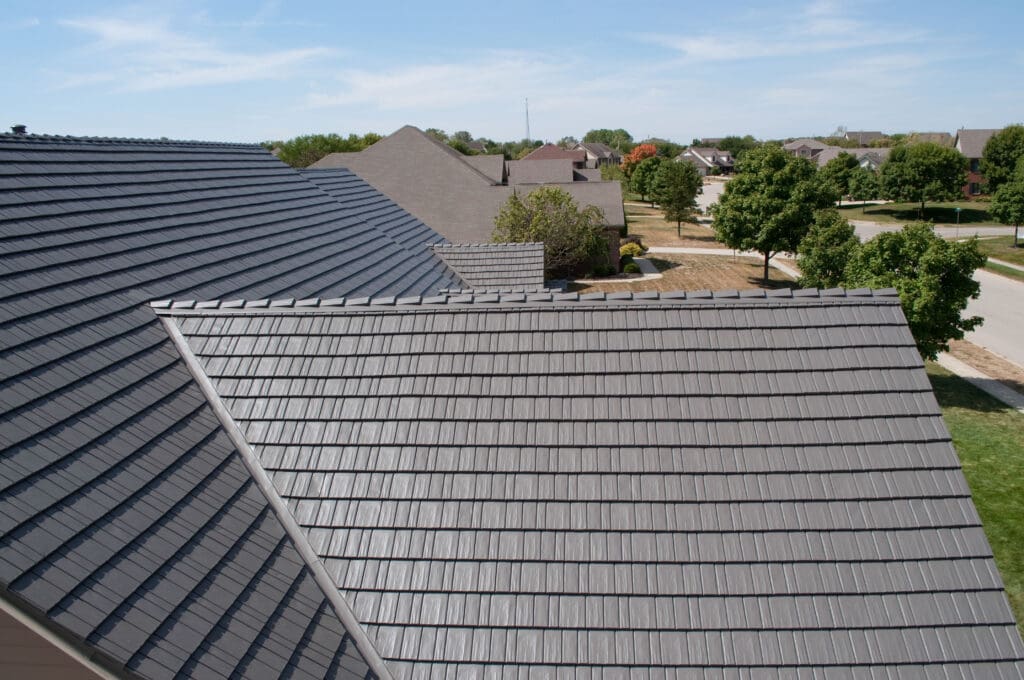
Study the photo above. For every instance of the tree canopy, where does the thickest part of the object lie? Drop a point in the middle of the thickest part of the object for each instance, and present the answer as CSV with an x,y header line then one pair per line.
x,y
737,145
633,158
933,277
838,171
642,179
923,172
618,139
826,250
305,150
769,206
573,238
864,184
1008,201
1003,151
675,188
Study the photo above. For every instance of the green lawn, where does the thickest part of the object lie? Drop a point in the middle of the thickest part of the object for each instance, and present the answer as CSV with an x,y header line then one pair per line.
x,y
1008,272
988,437
1001,248
972,212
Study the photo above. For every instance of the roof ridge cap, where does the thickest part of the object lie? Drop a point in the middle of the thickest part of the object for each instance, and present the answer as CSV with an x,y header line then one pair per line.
x,y
525,295
33,137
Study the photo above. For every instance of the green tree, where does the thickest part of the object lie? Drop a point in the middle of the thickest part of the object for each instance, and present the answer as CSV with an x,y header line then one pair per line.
x,y
633,158
665,148
1008,201
675,188
618,139
864,184
568,142
1002,153
573,238
305,150
770,204
838,171
933,277
923,172
826,250
642,179
737,145
438,134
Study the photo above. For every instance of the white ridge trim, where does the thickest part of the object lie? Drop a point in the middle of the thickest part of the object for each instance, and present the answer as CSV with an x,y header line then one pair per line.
x,y
362,640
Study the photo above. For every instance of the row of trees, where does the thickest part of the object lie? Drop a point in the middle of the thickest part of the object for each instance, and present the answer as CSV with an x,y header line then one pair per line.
x,y
780,203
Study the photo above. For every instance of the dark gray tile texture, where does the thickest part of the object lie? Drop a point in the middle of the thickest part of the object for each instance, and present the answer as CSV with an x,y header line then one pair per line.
x,y
496,265
127,518
724,486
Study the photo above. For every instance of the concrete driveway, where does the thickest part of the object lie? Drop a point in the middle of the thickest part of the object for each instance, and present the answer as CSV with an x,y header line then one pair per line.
x,y
1002,306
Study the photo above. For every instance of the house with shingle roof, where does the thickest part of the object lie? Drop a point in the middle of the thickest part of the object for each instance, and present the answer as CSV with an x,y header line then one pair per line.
x,y
244,435
805,147
863,137
707,160
599,154
459,196
971,143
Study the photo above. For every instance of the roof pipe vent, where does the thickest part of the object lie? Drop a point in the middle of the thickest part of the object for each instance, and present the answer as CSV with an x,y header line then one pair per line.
x,y
19,129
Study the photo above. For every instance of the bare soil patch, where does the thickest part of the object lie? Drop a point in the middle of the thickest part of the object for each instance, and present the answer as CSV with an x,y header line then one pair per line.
x,y
992,365
698,272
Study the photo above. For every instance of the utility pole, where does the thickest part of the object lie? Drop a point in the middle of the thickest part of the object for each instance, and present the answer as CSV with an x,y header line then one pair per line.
x,y
527,119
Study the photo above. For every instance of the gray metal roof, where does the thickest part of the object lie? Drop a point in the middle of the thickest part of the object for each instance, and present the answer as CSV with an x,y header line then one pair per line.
x,y
129,523
496,265
735,484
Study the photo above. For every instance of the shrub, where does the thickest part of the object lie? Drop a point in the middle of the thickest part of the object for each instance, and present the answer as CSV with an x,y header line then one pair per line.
x,y
631,250
631,268
603,270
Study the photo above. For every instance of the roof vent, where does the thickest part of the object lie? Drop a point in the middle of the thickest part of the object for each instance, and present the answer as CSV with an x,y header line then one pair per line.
x,y
19,129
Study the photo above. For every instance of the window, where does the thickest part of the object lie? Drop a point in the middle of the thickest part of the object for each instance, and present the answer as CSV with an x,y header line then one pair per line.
x,y
975,165
974,188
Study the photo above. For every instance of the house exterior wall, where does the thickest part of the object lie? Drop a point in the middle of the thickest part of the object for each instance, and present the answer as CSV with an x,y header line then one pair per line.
x,y
27,655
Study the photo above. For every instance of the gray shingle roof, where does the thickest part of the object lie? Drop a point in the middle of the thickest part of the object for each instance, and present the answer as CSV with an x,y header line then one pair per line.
x,y
128,521
640,485
496,265
971,143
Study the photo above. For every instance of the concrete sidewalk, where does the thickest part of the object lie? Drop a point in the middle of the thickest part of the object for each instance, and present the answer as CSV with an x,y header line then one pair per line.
x,y
983,382
723,252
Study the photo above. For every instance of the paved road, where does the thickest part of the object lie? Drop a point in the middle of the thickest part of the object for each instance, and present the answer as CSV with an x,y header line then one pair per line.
x,y
712,190
866,229
1002,306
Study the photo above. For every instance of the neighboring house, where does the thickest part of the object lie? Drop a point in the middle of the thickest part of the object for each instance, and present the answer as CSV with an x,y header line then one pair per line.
x,y
459,196
550,152
708,160
971,143
599,154
711,141
244,436
863,137
806,147
869,158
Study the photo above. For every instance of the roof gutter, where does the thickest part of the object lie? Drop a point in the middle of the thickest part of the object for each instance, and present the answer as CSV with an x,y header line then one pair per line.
x,y
330,589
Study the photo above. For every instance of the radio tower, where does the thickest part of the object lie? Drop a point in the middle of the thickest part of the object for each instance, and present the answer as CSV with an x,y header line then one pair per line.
x,y
527,119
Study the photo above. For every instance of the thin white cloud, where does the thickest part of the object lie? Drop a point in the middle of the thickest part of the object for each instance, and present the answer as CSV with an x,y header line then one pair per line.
x,y
19,24
820,27
453,84
148,55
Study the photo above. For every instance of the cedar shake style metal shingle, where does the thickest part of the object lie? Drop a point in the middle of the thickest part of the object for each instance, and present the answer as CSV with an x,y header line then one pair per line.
x,y
730,485
503,266
129,523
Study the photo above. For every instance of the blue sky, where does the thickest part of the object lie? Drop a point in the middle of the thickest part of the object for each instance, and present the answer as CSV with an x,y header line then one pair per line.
x,y
250,71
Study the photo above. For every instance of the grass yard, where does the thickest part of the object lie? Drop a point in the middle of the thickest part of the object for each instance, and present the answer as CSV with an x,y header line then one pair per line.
x,y
1001,248
1008,272
987,436
972,212
697,272
649,224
